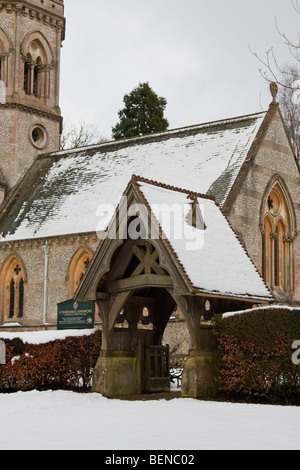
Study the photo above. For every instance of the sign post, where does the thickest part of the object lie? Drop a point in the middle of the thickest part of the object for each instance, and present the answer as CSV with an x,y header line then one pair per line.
x,y
75,315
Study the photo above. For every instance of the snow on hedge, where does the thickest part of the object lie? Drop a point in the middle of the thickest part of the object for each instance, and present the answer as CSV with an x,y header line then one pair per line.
x,y
42,337
268,307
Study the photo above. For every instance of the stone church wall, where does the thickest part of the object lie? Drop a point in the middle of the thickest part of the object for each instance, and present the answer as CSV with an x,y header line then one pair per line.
x,y
273,158
31,255
177,336
15,127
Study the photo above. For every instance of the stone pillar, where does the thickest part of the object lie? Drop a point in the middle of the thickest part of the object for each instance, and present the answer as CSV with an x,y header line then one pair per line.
x,y
201,373
17,81
116,375
31,79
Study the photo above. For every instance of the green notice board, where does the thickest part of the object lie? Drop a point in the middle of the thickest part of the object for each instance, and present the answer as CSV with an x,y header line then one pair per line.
x,y
75,315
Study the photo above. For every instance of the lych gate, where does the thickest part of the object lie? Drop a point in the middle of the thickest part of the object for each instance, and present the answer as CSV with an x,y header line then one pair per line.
x,y
137,284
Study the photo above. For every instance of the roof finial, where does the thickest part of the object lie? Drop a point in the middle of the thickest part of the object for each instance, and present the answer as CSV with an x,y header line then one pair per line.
x,y
274,91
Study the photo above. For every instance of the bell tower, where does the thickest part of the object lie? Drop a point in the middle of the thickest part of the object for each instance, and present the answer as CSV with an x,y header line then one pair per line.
x,y
31,35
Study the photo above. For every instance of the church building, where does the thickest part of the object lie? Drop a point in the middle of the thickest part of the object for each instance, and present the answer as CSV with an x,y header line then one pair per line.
x,y
56,206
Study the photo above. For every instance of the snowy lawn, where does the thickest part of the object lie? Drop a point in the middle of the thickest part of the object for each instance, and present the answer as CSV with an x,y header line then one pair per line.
x,y
66,420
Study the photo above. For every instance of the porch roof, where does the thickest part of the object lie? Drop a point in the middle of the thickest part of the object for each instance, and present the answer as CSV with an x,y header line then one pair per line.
x,y
211,256
207,253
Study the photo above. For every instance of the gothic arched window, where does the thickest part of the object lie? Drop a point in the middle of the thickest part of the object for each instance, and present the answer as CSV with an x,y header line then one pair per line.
x,y
13,289
278,233
5,51
33,79
35,86
38,61
12,285
21,299
77,269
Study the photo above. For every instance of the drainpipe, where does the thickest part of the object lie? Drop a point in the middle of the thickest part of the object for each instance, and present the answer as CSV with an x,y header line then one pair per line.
x,y
46,250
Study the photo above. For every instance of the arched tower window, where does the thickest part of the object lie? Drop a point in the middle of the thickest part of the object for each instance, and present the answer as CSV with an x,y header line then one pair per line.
x,y
33,75
38,60
13,281
27,74
35,87
278,233
5,51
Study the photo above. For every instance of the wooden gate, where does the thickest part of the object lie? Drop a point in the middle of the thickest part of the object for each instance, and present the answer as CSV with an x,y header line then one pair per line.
x,y
157,369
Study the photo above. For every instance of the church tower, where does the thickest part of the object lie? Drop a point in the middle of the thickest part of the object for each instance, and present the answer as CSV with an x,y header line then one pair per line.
x,y
31,35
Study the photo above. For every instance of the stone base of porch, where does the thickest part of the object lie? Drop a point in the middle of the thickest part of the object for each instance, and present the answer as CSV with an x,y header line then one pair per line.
x,y
115,375
200,377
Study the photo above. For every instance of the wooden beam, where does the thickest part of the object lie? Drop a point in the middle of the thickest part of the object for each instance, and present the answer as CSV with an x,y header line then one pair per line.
x,y
145,280
125,254
102,296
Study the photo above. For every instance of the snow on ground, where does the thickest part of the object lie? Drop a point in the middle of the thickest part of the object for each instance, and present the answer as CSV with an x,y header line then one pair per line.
x,y
67,421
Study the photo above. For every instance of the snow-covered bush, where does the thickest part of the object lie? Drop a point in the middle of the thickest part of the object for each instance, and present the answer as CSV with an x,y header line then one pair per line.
x,y
60,364
257,355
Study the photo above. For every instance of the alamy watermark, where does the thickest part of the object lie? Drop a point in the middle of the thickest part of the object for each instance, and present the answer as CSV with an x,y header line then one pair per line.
x,y
2,353
296,354
170,221
2,92
296,94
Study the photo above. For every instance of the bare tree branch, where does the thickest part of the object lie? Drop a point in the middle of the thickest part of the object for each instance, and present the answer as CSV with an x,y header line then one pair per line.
x,y
291,109
79,135
272,71
296,6
292,46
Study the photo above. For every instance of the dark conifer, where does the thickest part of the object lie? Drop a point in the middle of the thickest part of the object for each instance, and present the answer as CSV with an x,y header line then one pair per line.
x,y
142,114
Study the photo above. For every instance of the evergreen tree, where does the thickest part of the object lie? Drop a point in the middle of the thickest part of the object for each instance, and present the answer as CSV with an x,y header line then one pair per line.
x,y
142,114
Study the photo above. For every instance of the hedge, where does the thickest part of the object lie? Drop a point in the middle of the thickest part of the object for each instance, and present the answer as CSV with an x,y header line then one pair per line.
x,y
256,347
61,364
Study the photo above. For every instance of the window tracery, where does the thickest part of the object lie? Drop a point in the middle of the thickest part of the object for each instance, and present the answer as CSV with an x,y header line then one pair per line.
x,y
277,239
37,58
13,281
77,269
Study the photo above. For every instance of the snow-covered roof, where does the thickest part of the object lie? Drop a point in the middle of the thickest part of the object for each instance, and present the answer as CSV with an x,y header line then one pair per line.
x,y
211,255
61,192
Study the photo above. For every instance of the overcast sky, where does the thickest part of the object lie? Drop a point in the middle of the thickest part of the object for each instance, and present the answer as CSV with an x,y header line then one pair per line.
x,y
195,53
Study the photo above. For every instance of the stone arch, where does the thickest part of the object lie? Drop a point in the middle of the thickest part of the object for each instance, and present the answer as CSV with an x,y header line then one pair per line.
x,y
5,51
278,181
77,268
278,228
13,289
36,43
38,61
6,44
